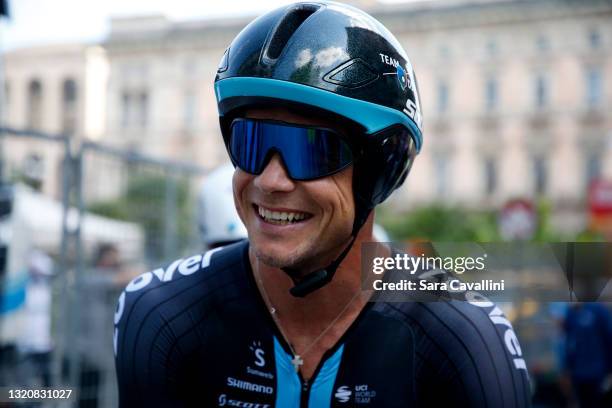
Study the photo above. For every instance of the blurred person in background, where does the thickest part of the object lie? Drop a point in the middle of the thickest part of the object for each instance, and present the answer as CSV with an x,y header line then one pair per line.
x,y
35,344
99,289
218,221
588,352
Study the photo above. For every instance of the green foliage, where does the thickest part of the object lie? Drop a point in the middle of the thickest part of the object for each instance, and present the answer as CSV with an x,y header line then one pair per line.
x,y
590,236
110,209
455,224
160,205
437,223
544,231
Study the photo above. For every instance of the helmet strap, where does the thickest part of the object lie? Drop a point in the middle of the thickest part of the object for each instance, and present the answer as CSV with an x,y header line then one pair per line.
x,y
319,278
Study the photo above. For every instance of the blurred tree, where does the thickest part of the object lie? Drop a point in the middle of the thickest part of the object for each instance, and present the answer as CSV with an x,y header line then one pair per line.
x,y
147,201
455,224
438,223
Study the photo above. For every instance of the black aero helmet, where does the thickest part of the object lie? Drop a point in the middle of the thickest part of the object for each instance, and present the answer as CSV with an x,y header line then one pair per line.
x,y
333,60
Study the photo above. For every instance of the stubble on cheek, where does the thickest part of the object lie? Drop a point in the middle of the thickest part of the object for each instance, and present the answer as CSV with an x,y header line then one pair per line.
x,y
295,257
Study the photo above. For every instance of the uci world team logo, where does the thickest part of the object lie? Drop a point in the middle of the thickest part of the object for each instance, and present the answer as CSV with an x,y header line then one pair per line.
x,y
343,393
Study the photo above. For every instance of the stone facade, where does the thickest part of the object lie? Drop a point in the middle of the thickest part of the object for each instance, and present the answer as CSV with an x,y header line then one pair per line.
x,y
516,99
57,90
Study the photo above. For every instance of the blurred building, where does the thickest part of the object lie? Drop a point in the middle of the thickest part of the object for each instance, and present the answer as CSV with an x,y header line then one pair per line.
x,y
58,89
517,98
516,95
160,90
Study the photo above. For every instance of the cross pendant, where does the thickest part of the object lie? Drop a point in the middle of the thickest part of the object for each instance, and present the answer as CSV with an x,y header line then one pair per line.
x,y
297,362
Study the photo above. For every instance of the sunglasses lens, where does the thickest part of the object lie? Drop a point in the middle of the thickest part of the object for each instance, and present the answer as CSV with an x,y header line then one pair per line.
x,y
308,153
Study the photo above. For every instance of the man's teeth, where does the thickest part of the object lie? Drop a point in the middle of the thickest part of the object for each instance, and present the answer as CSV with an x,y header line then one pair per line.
x,y
280,217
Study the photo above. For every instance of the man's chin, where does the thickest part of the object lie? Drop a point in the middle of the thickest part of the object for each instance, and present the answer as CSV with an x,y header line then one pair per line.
x,y
301,258
275,260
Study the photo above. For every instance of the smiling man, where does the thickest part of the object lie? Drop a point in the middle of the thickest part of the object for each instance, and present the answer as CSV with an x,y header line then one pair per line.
x,y
320,114
295,224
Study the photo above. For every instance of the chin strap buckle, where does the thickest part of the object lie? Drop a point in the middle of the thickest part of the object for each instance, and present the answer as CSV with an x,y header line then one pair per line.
x,y
310,283
318,279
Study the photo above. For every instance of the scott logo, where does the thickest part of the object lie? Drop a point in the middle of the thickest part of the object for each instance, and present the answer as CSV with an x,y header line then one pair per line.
x,y
224,401
343,394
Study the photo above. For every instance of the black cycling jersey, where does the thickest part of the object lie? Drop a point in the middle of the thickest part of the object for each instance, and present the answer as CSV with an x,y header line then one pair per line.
x,y
198,333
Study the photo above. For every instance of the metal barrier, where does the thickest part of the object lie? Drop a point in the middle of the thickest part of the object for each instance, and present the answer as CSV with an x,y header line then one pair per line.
x,y
110,214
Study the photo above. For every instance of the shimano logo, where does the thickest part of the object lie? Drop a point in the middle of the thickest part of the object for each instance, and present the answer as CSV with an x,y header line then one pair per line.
x,y
223,401
343,394
249,386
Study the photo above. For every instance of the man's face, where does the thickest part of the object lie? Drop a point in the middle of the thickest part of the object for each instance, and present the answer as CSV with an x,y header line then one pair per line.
x,y
322,210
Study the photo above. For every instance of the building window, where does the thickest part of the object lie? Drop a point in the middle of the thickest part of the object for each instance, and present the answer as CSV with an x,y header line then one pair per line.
x,y
441,174
491,94
593,167
541,91
69,108
491,48
540,174
126,107
442,97
134,109
594,38
594,87
490,175
34,170
190,108
444,52
143,109
34,104
191,68
542,44
6,97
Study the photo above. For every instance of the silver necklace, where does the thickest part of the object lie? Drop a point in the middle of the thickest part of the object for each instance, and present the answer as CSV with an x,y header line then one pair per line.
x,y
297,360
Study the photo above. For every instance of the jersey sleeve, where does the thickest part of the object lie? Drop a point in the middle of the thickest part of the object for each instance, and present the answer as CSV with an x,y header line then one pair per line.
x,y
468,355
146,359
161,325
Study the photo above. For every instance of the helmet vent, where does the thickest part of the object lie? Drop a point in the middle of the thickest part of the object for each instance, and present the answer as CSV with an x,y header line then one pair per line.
x,y
285,29
352,74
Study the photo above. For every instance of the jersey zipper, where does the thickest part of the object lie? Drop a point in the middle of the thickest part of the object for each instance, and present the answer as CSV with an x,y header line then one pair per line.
x,y
305,393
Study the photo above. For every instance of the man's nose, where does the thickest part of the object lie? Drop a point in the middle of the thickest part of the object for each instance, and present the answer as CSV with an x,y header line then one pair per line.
x,y
274,177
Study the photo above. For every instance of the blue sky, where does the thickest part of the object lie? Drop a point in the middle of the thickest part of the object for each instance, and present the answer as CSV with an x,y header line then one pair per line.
x,y
39,22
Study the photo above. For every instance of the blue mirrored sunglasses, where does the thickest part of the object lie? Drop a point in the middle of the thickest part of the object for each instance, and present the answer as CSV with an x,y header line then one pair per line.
x,y
308,153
